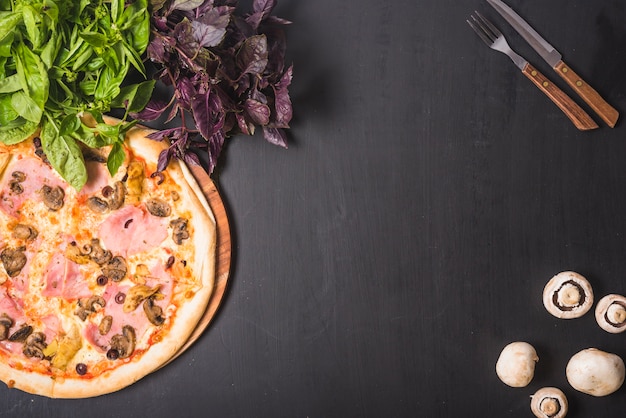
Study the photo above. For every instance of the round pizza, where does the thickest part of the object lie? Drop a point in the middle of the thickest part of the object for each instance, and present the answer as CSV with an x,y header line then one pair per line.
x,y
101,286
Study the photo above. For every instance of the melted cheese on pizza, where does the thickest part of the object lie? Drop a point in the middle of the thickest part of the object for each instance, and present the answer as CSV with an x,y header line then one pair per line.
x,y
89,279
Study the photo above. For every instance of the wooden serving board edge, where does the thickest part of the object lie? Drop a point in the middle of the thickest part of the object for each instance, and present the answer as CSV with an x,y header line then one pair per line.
x,y
223,256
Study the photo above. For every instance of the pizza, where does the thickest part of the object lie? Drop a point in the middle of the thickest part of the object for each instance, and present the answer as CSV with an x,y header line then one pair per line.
x,y
101,286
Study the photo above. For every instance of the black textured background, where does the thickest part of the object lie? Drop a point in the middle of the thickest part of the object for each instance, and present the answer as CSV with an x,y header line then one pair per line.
x,y
429,192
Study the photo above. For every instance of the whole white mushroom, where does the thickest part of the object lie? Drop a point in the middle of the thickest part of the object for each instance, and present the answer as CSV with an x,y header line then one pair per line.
x,y
595,372
568,295
549,402
516,364
611,313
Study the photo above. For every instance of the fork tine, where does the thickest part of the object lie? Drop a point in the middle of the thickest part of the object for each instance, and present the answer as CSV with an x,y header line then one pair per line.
x,y
479,31
489,25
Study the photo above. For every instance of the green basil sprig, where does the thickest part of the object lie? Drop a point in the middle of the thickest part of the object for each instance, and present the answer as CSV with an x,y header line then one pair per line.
x,y
61,60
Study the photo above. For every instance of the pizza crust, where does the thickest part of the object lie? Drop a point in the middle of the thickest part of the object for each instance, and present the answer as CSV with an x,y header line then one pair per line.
x,y
186,317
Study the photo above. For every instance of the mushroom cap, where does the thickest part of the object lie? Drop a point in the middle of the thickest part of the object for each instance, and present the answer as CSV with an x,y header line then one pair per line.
x,y
611,313
595,372
549,402
568,295
516,364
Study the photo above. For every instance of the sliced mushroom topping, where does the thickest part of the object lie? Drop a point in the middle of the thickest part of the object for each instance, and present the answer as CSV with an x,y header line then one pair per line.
x,y
94,303
158,207
53,197
21,334
611,313
35,345
97,205
153,312
124,343
13,260
76,254
115,269
99,254
5,324
19,176
25,232
105,325
179,230
138,294
549,402
568,295
89,306
15,185
116,199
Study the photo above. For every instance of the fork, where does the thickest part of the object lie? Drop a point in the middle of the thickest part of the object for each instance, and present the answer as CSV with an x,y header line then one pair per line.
x,y
496,41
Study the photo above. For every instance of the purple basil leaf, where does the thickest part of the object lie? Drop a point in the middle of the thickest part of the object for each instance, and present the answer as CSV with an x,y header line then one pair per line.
x,y
282,101
170,133
210,29
275,136
264,6
164,159
246,128
207,114
153,110
262,9
185,91
277,49
252,56
258,112
215,148
186,4
191,158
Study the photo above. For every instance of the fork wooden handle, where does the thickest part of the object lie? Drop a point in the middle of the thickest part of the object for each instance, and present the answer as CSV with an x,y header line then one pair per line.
x,y
574,112
588,94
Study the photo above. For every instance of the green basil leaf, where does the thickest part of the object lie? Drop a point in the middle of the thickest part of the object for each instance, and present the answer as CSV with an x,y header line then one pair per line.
x,y
117,8
116,158
134,58
26,107
32,74
51,50
31,20
8,22
69,124
7,113
64,155
134,97
5,45
17,131
82,57
10,84
95,39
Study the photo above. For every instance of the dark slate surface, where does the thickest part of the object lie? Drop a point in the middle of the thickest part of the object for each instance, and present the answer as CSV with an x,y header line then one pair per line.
x,y
429,192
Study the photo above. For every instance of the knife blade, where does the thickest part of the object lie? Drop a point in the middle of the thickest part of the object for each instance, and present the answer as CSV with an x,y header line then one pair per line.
x,y
607,112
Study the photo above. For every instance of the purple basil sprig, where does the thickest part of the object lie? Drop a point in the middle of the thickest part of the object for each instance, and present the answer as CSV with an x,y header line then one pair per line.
x,y
226,71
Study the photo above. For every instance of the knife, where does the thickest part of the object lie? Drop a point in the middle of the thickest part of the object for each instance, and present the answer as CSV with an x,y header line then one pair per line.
x,y
554,59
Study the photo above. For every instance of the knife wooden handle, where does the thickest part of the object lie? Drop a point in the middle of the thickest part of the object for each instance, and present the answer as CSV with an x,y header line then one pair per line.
x,y
574,112
588,94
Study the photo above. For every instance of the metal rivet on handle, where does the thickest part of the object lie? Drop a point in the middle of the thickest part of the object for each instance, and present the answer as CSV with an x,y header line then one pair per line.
x,y
546,84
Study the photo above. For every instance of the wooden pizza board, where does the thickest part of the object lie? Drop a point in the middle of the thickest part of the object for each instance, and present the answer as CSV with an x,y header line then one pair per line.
x,y
223,256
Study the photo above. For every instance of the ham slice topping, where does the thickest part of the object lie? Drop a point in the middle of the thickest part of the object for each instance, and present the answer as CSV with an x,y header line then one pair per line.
x,y
16,189
131,230
63,279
